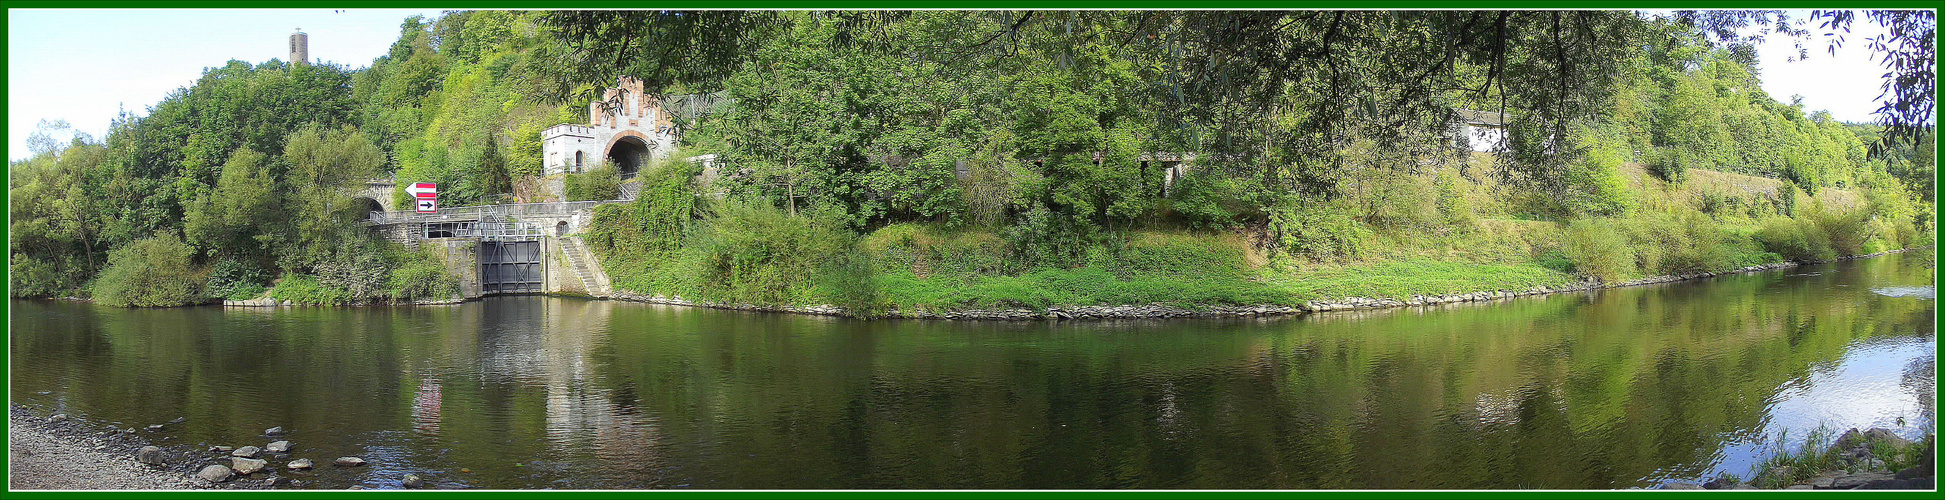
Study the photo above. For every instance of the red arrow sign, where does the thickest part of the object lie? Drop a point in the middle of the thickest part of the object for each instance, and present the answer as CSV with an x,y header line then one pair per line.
x,y
423,190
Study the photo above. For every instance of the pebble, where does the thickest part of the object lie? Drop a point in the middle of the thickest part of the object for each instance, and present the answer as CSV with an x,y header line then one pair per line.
x,y
349,461
414,481
301,463
277,447
246,452
273,431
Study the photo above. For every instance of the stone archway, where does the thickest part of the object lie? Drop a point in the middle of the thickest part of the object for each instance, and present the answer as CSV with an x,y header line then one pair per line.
x,y
629,151
369,205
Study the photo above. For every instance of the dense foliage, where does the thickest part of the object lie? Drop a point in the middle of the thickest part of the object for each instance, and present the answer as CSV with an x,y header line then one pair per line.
x,y
1041,150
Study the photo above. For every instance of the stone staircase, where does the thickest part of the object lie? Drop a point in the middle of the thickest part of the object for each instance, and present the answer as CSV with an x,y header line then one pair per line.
x,y
629,190
582,263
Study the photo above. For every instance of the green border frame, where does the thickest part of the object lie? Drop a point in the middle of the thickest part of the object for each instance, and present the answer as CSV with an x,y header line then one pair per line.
x,y
992,4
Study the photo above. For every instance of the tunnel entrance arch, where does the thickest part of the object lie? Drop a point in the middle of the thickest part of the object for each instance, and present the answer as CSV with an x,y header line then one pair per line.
x,y
370,208
629,152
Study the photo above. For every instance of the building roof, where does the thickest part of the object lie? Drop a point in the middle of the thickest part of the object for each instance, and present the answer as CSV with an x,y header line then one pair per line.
x,y
1480,117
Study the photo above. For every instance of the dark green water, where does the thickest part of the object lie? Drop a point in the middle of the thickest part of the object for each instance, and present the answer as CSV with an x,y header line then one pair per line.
x,y
1615,389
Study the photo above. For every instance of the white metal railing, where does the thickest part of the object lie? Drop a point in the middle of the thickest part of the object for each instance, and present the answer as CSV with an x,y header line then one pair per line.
x,y
474,213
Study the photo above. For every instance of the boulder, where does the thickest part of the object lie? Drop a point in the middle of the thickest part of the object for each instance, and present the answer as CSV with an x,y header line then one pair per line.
x,y
149,455
349,462
273,431
1884,435
215,474
301,463
413,481
1859,479
246,452
247,466
278,447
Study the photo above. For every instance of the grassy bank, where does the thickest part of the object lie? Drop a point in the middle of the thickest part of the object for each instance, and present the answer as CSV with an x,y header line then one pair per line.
x,y
1468,235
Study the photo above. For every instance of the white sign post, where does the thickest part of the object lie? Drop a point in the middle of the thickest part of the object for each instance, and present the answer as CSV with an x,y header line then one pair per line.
x,y
427,194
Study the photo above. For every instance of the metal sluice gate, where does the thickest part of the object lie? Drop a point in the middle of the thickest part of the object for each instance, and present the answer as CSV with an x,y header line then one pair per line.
x,y
511,266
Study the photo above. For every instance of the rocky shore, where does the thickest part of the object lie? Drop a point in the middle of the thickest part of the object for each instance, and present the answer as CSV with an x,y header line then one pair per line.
x,y
1852,464
61,453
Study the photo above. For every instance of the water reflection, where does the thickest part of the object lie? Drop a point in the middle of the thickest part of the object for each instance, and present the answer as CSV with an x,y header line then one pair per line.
x,y
1609,389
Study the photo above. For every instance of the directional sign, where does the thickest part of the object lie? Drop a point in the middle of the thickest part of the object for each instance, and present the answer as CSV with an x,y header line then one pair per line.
x,y
423,190
428,205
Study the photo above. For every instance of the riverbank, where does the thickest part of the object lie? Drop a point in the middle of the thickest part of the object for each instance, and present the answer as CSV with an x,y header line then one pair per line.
x,y
49,453
59,452
1156,311
1876,459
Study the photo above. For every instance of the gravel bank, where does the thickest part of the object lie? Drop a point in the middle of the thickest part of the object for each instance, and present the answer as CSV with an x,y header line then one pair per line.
x,y
53,456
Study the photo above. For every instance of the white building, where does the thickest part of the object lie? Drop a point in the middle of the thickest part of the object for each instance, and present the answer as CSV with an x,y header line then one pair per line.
x,y
627,128
1482,131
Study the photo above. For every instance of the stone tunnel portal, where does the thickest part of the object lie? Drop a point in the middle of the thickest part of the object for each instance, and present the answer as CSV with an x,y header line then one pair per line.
x,y
627,154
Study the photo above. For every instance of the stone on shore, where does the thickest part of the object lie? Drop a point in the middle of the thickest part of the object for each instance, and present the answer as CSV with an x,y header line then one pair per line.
x,y
149,455
220,449
349,462
57,417
273,431
246,452
414,481
278,447
247,466
155,427
1859,479
301,463
215,474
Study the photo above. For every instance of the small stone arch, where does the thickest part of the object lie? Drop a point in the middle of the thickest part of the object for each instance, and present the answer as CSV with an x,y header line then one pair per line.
x,y
629,151
560,228
369,205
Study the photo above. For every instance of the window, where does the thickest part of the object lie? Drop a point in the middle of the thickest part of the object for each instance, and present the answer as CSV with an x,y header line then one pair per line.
x,y
578,158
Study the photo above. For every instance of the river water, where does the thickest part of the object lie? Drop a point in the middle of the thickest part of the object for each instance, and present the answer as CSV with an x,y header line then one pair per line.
x,y
1620,388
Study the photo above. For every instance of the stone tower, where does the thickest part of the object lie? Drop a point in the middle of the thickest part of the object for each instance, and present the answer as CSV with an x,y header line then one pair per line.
x,y
300,47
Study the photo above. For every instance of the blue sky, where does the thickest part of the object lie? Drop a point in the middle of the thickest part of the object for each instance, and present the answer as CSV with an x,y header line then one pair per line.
x,y
84,65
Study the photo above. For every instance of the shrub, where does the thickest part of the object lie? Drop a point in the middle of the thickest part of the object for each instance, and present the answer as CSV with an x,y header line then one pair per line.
x,y
421,276
1794,239
1320,232
1599,250
307,289
151,272
756,253
602,182
236,279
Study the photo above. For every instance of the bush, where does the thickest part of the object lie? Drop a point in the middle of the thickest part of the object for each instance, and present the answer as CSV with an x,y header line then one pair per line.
x,y
151,272
236,279
1320,232
1204,199
306,289
1794,239
756,253
1599,250
421,276
603,182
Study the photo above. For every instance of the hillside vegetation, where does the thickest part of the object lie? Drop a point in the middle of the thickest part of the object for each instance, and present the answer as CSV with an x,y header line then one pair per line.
x,y
944,159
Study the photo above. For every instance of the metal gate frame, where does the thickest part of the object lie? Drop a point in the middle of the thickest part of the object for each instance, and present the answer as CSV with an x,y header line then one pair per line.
x,y
512,266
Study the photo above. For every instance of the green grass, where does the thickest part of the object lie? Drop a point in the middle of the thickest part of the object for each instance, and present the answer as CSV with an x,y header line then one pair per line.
x,y
1402,279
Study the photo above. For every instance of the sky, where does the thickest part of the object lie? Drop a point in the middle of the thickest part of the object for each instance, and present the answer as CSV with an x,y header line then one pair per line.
x,y
84,66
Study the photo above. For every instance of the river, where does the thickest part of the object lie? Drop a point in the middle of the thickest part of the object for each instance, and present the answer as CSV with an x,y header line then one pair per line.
x,y
1619,388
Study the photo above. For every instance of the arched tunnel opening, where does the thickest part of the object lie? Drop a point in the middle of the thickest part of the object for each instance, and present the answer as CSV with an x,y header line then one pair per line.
x,y
627,155
371,207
